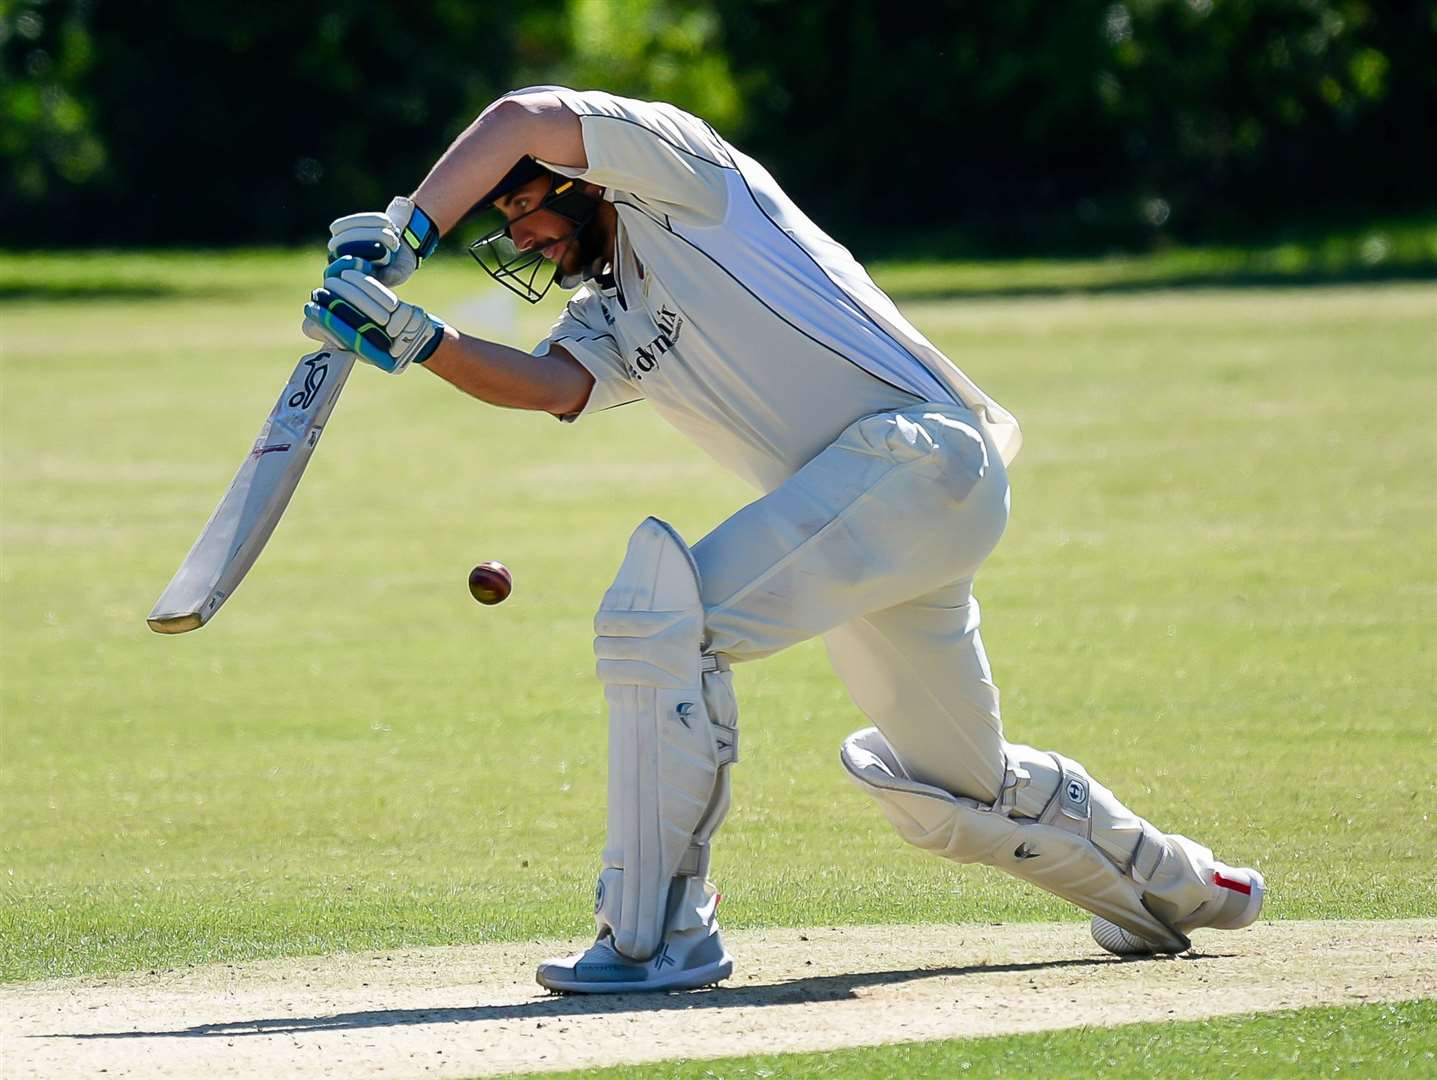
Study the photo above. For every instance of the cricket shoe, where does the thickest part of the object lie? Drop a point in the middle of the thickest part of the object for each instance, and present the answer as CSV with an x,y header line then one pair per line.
x,y
686,960
690,954
1231,898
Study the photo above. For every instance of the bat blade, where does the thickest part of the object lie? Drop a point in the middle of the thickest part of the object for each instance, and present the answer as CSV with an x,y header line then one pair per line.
x,y
236,532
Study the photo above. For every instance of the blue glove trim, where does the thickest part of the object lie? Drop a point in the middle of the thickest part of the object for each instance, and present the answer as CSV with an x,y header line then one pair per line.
x,y
352,317
421,234
349,262
433,343
348,338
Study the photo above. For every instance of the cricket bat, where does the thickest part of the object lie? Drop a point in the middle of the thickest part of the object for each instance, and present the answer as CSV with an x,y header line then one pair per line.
x,y
236,532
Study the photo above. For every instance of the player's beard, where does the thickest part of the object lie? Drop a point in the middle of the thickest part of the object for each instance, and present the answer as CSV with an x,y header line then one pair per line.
x,y
584,257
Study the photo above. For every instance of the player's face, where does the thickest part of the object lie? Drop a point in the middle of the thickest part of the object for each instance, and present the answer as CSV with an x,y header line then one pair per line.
x,y
531,226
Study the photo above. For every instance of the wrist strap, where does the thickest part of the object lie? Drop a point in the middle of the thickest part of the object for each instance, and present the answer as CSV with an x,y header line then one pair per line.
x,y
433,343
421,234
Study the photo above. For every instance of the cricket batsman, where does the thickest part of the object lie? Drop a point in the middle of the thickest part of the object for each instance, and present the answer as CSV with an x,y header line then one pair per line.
x,y
881,472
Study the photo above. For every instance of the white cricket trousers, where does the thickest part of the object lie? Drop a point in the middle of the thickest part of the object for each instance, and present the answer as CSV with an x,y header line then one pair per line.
x,y
873,544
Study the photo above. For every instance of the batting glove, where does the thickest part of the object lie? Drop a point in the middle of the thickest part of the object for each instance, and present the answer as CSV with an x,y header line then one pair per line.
x,y
394,242
354,311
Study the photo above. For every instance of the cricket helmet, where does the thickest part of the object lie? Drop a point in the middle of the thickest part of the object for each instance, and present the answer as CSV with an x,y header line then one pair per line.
x,y
523,271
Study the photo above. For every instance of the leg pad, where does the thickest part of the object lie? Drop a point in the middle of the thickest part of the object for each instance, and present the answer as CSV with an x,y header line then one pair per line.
x,y
1057,857
672,734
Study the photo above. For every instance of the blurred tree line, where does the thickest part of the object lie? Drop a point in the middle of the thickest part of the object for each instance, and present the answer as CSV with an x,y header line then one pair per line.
x,y
1021,125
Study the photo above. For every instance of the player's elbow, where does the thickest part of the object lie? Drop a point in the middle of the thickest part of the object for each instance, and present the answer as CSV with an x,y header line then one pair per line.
x,y
548,129
570,384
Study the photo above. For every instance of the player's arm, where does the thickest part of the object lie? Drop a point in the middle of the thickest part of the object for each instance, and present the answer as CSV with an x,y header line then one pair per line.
x,y
650,150
357,313
396,241
554,383
534,123
354,311
653,151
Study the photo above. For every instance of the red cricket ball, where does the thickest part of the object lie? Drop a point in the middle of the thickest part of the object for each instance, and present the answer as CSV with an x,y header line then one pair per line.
x,y
491,583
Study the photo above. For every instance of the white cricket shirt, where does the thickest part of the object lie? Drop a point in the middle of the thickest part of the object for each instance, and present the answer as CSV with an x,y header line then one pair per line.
x,y
744,324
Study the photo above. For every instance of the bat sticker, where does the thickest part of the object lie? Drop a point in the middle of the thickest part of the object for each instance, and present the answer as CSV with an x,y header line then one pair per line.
x,y
313,380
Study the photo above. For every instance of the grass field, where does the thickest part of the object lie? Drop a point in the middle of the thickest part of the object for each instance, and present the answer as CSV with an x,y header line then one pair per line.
x,y
1368,1040
1218,592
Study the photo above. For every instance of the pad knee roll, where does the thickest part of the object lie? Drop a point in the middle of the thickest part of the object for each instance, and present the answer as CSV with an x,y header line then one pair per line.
x,y
672,733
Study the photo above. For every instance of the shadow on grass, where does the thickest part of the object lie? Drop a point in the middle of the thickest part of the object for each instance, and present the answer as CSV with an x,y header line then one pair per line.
x,y
797,991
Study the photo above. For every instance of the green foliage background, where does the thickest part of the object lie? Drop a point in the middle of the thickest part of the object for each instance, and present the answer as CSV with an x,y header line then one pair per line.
x,y
1025,124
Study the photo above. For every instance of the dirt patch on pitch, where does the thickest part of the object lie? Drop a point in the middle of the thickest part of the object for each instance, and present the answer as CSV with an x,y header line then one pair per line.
x,y
475,1011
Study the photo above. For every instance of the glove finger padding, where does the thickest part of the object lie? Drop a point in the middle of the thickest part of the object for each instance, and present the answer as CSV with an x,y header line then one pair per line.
x,y
367,294
402,323
369,219
326,302
315,327
355,311
394,242
331,320
369,236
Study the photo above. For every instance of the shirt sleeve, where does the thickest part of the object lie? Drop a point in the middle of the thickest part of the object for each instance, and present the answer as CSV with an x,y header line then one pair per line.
x,y
584,334
652,150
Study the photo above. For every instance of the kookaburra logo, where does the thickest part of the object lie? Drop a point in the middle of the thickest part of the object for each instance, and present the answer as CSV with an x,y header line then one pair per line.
x,y
646,357
313,380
